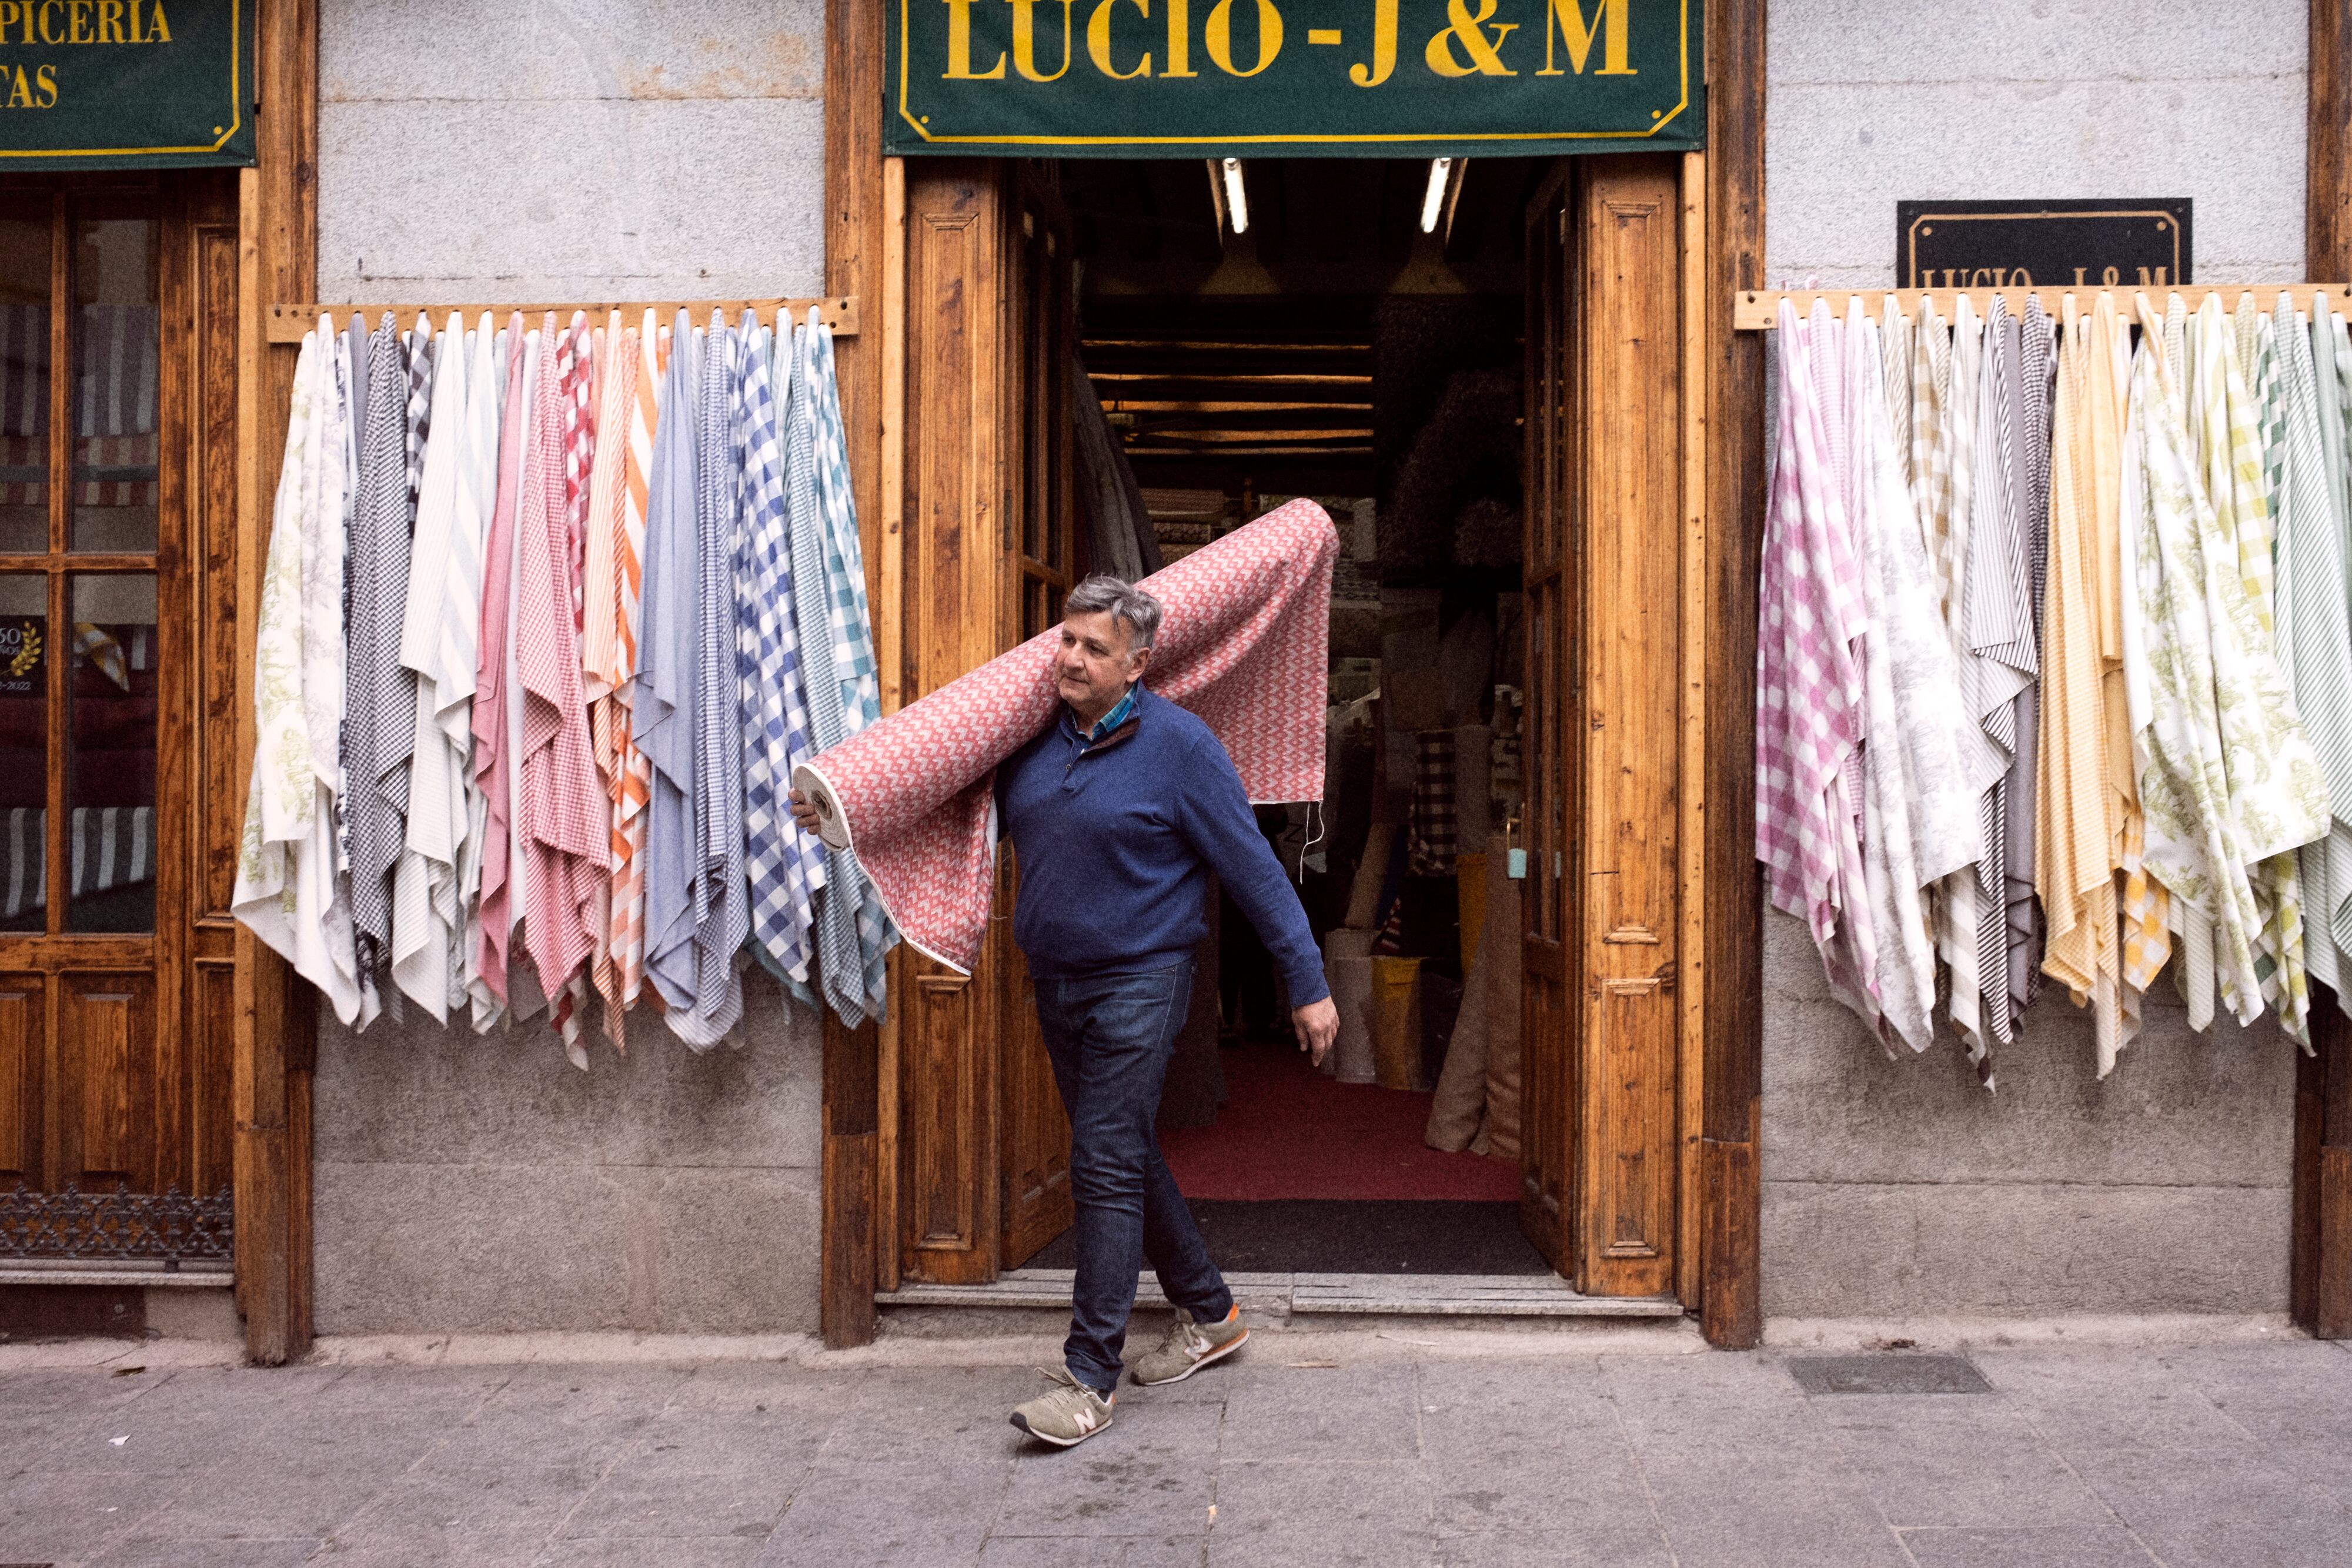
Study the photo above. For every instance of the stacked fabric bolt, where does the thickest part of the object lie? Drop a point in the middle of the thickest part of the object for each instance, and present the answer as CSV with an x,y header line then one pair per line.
x,y
2054,675
548,616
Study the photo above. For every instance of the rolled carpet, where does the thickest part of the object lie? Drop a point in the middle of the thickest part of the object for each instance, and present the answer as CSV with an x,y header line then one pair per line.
x,y
1243,645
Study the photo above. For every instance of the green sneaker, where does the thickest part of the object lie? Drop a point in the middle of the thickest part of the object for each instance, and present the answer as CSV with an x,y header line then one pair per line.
x,y
1065,1418
1190,1346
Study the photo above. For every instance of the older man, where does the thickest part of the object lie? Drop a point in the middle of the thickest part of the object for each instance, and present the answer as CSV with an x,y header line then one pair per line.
x,y
1118,814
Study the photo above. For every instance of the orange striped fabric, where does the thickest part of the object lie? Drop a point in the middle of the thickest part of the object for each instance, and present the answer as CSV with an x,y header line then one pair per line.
x,y
630,781
600,630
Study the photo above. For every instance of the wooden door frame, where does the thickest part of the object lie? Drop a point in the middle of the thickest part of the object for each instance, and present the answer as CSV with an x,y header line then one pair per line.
x,y
2320,1282
1721,931
274,1041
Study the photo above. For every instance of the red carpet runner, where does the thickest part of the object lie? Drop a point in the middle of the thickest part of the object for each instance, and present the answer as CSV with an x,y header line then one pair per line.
x,y
1289,1132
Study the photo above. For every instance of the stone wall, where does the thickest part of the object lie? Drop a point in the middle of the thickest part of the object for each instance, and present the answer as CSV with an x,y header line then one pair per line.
x,y
1898,1188
562,151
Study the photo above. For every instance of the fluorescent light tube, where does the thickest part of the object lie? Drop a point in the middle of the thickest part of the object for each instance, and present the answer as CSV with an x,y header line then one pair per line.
x,y
1432,201
1236,198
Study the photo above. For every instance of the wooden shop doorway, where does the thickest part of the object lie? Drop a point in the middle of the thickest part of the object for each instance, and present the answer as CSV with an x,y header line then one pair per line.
x,y
979,473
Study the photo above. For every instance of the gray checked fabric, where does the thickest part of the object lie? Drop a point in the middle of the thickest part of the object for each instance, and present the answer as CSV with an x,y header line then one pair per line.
x,y
417,355
783,866
380,693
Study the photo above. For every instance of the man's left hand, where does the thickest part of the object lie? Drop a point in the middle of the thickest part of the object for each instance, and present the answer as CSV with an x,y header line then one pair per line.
x,y
1318,1026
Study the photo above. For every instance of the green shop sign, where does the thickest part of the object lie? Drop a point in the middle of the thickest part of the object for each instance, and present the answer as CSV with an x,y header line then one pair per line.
x,y
125,84
1369,78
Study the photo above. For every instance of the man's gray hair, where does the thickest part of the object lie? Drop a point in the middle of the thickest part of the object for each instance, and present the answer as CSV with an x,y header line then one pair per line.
x,y
1128,604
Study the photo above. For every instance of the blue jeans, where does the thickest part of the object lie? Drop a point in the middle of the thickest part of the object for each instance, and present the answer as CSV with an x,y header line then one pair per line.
x,y
1110,1037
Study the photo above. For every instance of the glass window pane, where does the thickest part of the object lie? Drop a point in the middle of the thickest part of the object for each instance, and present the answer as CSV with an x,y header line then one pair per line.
x,y
117,347
24,385
24,750
110,776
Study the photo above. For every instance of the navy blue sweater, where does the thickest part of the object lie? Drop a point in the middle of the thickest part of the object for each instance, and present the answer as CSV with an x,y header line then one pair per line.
x,y
1115,843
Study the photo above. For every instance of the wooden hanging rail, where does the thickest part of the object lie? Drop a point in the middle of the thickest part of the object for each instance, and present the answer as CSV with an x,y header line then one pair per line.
x,y
1758,310
287,323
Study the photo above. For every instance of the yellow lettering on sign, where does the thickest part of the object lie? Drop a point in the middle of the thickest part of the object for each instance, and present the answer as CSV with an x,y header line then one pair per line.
x,y
48,36
1179,40
1219,36
159,31
1384,30
8,10
110,22
1566,17
1099,42
958,46
1024,39
44,82
1469,31
78,11
20,94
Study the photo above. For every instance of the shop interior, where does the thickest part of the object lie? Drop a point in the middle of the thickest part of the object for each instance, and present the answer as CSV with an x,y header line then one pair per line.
x,y
1349,329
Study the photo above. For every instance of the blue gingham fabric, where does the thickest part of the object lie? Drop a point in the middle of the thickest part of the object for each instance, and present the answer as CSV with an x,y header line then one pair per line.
x,y
785,867
854,935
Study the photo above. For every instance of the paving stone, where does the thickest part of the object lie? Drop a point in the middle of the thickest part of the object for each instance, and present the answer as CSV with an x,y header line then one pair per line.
x,y
314,1497
1151,1474
2085,1456
1737,1402
1933,1459
2297,1390
2219,1508
2060,1546
1357,1414
2096,1399
1270,1510
638,1505
1464,1407
886,1515
671,1552
1103,1551
72,1514
1763,1508
680,1442
521,1496
145,1552
955,1416
1538,1549
435,1549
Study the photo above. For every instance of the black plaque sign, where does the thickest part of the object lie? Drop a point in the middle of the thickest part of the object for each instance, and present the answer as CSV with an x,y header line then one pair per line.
x,y
2017,245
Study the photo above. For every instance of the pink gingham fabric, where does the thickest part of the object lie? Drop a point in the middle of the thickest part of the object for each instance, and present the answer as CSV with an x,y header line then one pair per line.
x,y
1809,680
1244,645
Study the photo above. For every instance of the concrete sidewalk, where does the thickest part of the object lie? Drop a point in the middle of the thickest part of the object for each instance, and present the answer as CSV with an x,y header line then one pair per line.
x,y
1365,1447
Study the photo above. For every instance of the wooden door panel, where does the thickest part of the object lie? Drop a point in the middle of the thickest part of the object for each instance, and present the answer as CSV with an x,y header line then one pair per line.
x,y
21,1038
1629,728
949,1189
1547,1001
212,549
110,1079
953,1231
212,1132
1036,1131
1038,507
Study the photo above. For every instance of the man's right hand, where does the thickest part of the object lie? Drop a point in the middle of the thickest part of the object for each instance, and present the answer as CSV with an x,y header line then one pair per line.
x,y
1318,1026
804,813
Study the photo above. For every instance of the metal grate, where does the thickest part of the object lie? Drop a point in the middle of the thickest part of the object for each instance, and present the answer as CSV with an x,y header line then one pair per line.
x,y
1887,1375
168,1227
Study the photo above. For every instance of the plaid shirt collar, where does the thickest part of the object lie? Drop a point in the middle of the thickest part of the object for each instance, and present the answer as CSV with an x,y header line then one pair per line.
x,y
1110,721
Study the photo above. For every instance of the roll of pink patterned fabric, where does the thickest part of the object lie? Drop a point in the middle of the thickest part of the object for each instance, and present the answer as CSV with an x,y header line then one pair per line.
x,y
1244,645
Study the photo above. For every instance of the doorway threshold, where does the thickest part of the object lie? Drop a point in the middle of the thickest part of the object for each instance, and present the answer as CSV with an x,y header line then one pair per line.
x,y
1295,1295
